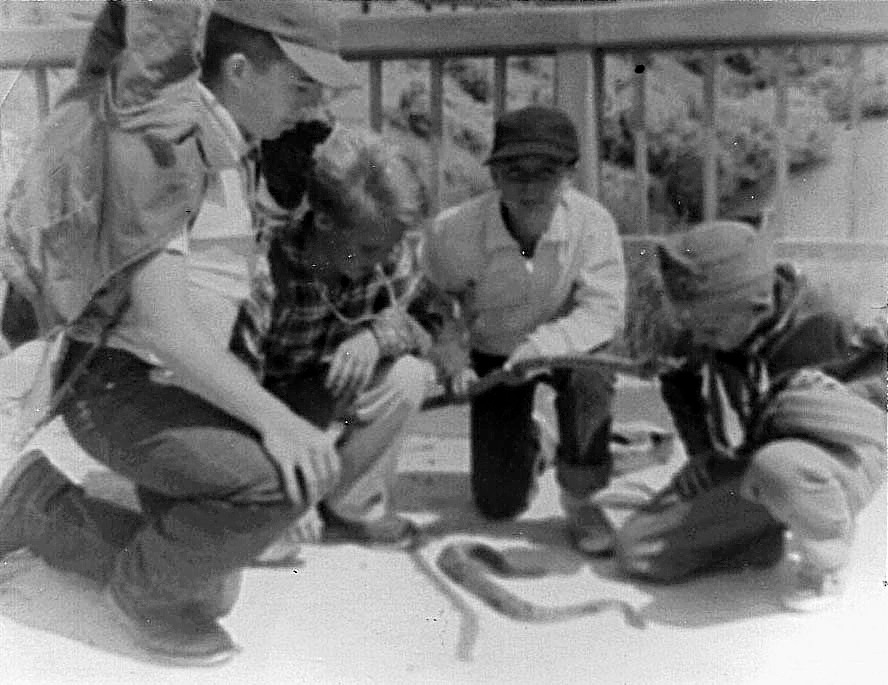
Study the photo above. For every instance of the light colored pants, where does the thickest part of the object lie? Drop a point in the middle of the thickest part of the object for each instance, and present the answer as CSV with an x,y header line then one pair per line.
x,y
791,484
374,421
815,493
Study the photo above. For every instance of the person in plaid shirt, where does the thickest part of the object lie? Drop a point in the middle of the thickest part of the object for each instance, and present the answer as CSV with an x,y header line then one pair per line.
x,y
345,325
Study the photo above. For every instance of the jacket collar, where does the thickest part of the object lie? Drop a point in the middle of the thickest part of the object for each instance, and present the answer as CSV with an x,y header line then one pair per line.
x,y
496,236
788,283
224,145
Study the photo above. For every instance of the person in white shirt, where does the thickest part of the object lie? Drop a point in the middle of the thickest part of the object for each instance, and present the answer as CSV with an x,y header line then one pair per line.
x,y
538,269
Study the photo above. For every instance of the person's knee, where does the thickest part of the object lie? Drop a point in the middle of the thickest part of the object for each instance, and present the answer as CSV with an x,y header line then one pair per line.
x,y
502,488
408,378
784,469
237,468
502,498
500,507
792,480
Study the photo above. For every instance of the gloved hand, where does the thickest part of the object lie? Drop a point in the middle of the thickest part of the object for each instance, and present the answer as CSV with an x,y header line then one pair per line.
x,y
693,479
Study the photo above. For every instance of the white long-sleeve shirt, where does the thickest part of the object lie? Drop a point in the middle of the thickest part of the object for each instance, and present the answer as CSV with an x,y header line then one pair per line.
x,y
567,299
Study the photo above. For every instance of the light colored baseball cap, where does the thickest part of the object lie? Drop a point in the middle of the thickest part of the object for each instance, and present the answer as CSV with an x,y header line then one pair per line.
x,y
307,32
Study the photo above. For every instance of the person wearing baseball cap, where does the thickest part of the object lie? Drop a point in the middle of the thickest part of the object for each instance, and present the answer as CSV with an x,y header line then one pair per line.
x,y
138,202
538,267
307,32
774,407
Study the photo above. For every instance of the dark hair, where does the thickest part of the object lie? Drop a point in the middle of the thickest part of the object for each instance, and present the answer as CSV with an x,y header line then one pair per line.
x,y
226,37
287,161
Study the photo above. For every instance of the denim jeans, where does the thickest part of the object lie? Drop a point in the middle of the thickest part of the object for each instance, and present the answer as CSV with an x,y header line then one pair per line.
x,y
505,446
211,499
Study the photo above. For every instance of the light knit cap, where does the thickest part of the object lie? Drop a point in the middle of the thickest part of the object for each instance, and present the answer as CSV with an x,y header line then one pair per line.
x,y
717,262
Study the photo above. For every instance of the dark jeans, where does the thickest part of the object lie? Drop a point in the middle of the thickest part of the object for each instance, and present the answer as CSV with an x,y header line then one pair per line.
x,y
672,538
505,446
814,491
210,495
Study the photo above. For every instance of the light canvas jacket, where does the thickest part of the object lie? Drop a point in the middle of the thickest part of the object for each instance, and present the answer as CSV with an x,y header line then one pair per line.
x,y
118,168
567,299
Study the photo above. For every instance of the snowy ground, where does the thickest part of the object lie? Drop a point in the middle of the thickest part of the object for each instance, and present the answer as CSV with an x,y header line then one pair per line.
x,y
351,615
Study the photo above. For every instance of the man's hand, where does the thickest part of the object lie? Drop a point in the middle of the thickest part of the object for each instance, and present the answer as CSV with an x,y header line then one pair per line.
x,y
305,456
353,364
462,380
521,353
693,479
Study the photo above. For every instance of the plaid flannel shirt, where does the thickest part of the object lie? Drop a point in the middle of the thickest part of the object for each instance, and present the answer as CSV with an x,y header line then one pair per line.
x,y
311,318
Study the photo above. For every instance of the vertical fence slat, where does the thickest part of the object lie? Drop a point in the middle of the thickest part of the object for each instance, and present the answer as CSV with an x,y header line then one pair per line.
x,y
710,137
500,84
375,93
639,134
41,83
436,132
598,96
856,64
781,121
574,93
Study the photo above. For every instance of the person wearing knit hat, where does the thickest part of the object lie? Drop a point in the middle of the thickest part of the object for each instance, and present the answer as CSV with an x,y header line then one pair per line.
x,y
775,407
538,269
141,224
720,277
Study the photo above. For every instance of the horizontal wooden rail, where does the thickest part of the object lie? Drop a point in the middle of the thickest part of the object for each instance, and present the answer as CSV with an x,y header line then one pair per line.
x,y
578,36
629,26
45,46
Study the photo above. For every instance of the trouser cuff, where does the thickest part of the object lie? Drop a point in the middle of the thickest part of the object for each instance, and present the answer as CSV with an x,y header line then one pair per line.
x,y
581,480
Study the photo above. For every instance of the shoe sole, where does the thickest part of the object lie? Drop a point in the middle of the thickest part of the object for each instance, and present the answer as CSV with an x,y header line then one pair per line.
x,y
22,464
809,606
11,480
339,534
122,620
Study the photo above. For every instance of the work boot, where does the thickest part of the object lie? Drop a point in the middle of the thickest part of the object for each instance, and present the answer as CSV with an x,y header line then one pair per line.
x,y
173,640
589,529
29,483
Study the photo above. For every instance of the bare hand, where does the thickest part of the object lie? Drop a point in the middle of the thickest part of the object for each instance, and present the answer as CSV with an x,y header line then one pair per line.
x,y
523,352
462,380
353,364
306,458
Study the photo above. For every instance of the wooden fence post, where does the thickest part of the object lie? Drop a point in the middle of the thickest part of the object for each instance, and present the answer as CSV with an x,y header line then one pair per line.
x,y
577,93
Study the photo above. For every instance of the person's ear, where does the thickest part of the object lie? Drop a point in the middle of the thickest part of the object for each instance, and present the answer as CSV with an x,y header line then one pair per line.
x,y
236,68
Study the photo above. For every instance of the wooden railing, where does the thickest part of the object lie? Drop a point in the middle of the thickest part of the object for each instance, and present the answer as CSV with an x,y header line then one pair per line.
x,y
578,38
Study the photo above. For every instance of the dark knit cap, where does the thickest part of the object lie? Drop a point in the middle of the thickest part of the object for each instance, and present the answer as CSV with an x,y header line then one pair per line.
x,y
535,130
